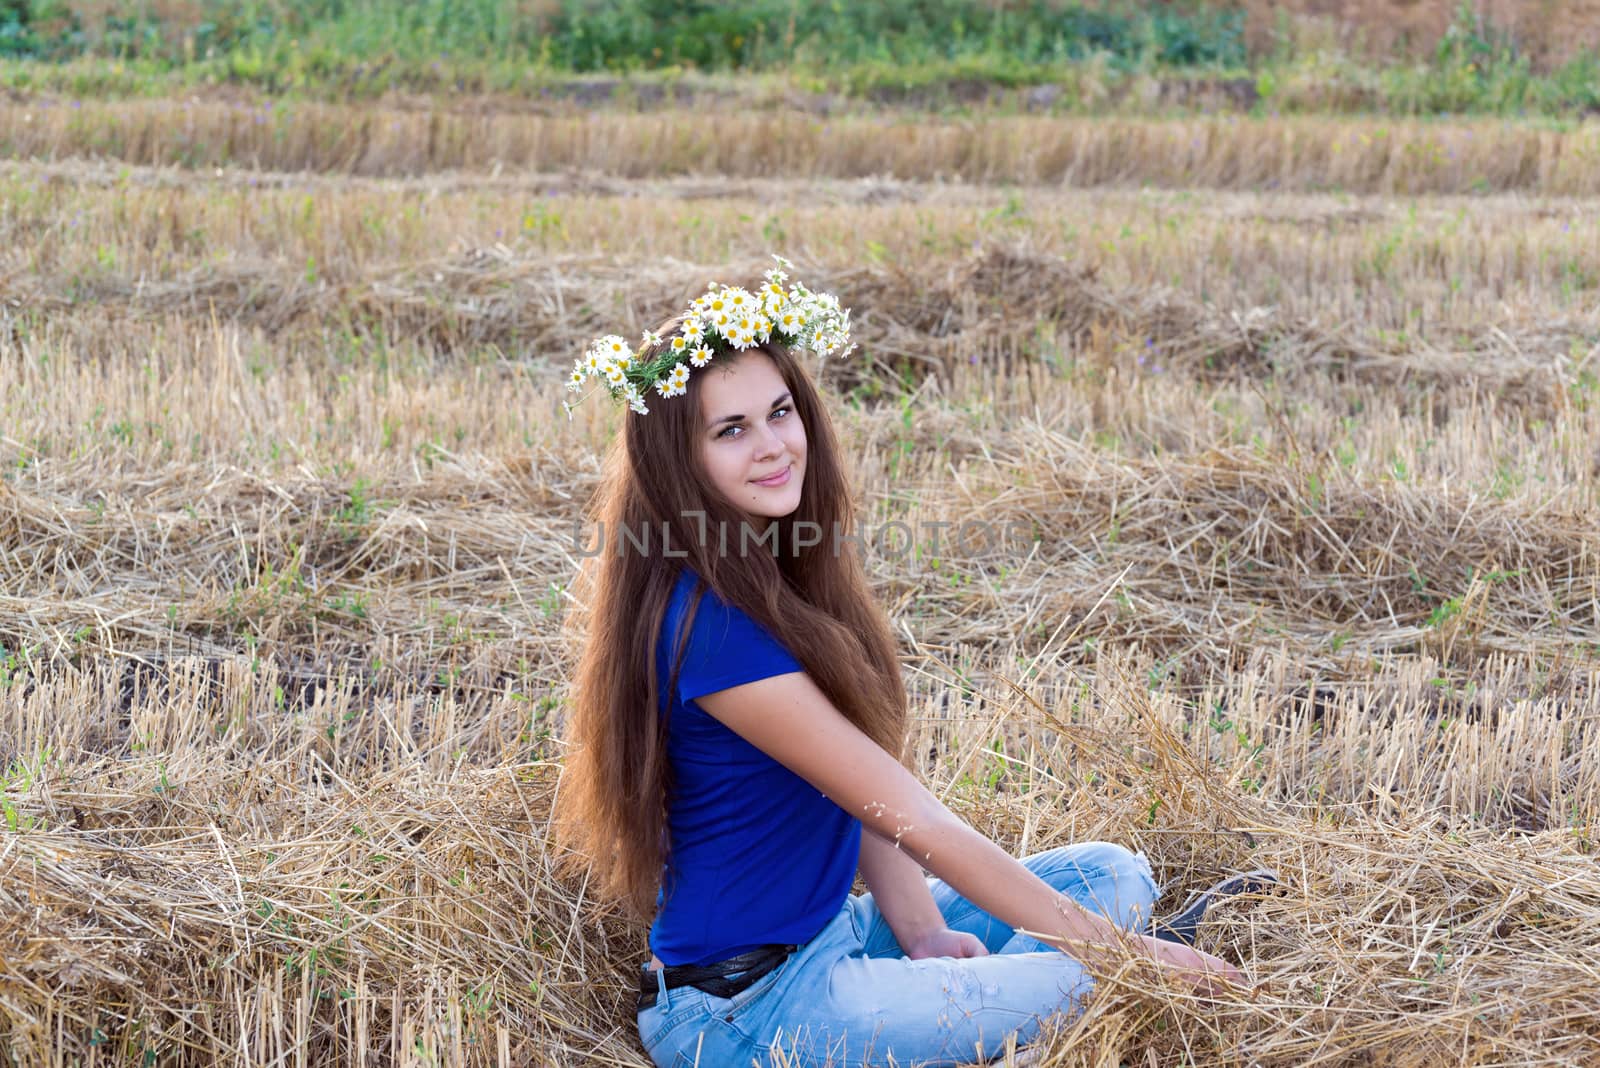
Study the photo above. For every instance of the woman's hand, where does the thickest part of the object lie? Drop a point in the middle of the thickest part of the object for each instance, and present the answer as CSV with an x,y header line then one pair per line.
x,y
944,942
1205,973
1201,971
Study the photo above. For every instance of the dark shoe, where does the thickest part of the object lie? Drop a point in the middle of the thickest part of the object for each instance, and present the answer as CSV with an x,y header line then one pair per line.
x,y
1181,928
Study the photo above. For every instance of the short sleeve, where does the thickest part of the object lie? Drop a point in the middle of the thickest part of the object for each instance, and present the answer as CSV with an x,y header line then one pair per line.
x,y
727,648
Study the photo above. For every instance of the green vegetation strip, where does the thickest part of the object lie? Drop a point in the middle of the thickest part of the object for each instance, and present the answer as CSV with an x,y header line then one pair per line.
x,y
929,53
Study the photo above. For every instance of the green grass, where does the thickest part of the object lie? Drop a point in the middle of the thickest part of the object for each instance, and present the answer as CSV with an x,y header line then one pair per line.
x,y
617,35
923,52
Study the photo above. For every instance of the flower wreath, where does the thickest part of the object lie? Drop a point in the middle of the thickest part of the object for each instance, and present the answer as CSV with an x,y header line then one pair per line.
x,y
725,318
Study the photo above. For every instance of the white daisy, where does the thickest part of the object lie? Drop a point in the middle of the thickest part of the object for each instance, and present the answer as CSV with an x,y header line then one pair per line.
x,y
613,346
680,376
680,344
700,356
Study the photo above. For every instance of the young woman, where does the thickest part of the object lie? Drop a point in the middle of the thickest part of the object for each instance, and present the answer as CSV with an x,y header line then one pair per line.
x,y
737,717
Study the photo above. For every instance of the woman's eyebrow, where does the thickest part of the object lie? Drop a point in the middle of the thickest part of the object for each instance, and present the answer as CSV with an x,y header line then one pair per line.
x,y
740,418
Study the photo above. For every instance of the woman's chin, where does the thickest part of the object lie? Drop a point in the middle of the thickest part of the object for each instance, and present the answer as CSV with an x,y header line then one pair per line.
x,y
777,507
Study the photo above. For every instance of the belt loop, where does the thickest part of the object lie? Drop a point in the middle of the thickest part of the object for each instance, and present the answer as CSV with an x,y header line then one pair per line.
x,y
662,997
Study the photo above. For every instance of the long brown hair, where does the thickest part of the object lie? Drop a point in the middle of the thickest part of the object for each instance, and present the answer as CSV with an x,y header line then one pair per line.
x,y
612,804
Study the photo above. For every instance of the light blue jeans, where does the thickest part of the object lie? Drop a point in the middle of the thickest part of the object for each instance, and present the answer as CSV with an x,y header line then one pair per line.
x,y
850,997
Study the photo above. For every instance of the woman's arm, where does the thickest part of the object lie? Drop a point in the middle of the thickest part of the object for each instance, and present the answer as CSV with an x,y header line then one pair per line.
x,y
902,895
791,720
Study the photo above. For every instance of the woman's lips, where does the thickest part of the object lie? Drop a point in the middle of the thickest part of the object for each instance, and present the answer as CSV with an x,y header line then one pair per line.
x,y
776,480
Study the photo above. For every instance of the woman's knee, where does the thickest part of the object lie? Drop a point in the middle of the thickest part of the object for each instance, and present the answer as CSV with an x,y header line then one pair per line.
x,y
1106,877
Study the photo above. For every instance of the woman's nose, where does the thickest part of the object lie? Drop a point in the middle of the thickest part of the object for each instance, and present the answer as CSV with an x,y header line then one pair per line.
x,y
767,442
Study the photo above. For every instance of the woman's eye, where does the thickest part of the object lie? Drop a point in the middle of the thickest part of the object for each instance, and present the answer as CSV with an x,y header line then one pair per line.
x,y
777,413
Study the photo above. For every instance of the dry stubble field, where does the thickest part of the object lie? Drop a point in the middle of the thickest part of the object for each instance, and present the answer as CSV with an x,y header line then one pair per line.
x,y
1306,439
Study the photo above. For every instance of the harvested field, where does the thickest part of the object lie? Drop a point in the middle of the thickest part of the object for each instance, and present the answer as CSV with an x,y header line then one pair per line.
x,y
772,138
1302,570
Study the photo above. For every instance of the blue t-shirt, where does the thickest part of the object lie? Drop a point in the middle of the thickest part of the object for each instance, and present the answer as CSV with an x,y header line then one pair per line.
x,y
758,854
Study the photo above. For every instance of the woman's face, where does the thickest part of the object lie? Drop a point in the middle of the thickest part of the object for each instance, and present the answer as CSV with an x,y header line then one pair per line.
x,y
751,433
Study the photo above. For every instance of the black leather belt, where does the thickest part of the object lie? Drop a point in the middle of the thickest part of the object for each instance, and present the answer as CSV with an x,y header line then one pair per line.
x,y
723,979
